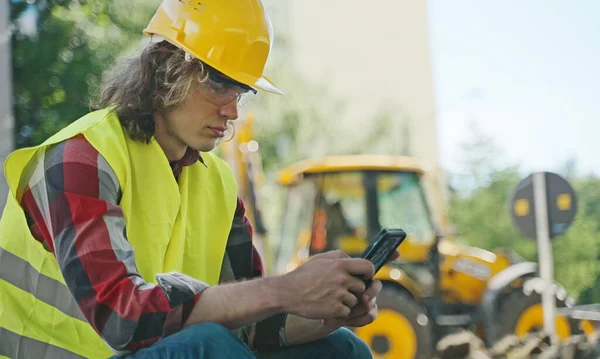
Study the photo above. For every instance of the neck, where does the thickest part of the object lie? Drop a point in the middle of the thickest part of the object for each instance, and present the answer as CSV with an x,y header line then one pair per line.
x,y
173,148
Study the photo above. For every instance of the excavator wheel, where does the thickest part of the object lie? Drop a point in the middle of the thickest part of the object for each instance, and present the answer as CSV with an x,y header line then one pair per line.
x,y
402,329
520,314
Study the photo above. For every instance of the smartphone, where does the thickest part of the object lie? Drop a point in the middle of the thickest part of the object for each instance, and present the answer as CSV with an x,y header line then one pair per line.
x,y
383,247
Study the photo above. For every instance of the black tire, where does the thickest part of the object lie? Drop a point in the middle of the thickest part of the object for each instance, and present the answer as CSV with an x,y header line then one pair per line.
x,y
514,304
402,303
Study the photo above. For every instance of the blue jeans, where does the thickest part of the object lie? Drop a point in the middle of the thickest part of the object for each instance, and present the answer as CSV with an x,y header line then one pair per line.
x,y
210,340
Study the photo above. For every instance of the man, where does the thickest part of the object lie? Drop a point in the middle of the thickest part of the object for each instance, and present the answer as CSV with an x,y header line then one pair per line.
x,y
123,232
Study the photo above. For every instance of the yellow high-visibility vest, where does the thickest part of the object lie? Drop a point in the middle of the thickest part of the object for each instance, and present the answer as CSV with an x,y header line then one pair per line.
x,y
173,225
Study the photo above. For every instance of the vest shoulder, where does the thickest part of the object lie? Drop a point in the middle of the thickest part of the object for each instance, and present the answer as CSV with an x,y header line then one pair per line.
x,y
84,123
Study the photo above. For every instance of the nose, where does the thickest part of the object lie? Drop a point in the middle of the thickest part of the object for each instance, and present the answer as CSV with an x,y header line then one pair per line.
x,y
229,111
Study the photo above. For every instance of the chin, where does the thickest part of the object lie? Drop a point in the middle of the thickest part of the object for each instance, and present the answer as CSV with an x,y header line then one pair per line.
x,y
203,147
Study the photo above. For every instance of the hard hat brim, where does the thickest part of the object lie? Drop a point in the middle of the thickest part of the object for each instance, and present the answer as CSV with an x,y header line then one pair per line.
x,y
266,85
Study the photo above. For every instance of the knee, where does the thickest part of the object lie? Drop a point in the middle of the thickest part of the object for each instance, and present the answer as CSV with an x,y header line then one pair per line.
x,y
348,346
205,340
208,335
206,330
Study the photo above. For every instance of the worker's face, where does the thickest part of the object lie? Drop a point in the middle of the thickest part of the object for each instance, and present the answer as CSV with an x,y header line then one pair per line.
x,y
202,120
198,123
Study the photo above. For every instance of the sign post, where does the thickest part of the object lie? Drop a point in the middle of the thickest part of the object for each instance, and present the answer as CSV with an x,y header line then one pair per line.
x,y
544,251
543,206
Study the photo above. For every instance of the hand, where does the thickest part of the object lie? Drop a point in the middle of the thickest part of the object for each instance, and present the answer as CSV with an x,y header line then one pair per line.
x,y
394,256
362,314
366,311
322,287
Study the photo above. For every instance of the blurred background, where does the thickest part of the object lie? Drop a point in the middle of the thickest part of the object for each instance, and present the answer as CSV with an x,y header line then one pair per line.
x,y
484,93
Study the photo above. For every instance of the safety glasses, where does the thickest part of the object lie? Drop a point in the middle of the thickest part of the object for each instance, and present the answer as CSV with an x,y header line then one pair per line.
x,y
221,91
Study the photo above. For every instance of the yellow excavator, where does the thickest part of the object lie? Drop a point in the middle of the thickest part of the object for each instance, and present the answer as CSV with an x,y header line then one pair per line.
x,y
435,288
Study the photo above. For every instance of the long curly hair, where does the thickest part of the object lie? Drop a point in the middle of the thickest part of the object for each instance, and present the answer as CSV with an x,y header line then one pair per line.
x,y
157,80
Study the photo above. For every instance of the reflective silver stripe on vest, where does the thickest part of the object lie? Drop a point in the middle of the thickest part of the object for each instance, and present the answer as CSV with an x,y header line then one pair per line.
x,y
22,275
15,346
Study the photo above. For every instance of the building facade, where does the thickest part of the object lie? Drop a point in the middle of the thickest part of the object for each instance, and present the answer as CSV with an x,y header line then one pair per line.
x,y
374,55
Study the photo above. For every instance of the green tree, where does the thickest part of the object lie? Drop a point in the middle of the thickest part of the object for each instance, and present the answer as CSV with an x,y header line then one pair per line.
x,y
480,210
588,189
58,67
589,205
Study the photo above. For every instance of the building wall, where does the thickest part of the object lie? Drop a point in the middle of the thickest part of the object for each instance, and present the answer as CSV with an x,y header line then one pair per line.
x,y
6,118
370,54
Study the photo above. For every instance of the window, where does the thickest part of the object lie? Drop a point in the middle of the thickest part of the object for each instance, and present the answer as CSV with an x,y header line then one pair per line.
x,y
402,205
297,218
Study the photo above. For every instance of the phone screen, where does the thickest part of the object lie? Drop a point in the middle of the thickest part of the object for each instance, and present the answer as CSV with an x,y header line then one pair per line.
x,y
383,247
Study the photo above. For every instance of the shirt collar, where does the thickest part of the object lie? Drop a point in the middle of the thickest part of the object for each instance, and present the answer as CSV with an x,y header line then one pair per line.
x,y
190,157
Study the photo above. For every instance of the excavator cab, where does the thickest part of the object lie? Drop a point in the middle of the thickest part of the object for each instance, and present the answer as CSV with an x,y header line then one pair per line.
x,y
342,203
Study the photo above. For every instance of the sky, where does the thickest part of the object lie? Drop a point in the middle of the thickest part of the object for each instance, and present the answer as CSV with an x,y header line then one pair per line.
x,y
527,73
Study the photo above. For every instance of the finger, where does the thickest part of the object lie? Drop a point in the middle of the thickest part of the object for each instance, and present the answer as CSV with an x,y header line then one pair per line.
x,y
371,292
360,267
337,254
363,307
361,321
359,310
339,311
372,303
343,312
356,285
394,256
350,300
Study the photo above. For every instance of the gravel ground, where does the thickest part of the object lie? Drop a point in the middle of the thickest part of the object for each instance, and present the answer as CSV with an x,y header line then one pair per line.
x,y
468,346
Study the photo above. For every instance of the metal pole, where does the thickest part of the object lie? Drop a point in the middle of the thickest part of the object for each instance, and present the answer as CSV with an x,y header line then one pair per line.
x,y
544,252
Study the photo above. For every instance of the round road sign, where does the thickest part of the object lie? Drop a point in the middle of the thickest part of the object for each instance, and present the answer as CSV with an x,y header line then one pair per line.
x,y
561,203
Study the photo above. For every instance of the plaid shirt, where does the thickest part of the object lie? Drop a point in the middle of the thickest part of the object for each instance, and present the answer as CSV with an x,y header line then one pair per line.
x,y
96,259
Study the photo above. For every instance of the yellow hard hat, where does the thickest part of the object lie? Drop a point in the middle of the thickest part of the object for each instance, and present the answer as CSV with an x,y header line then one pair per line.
x,y
232,36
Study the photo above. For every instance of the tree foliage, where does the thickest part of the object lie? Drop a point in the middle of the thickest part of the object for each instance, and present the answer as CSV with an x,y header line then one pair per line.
x,y
58,66
480,212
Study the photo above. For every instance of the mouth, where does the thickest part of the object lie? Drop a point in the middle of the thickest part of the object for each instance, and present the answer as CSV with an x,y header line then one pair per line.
x,y
218,131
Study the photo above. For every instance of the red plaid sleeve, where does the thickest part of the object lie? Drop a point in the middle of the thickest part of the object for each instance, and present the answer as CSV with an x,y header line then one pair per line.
x,y
71,203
